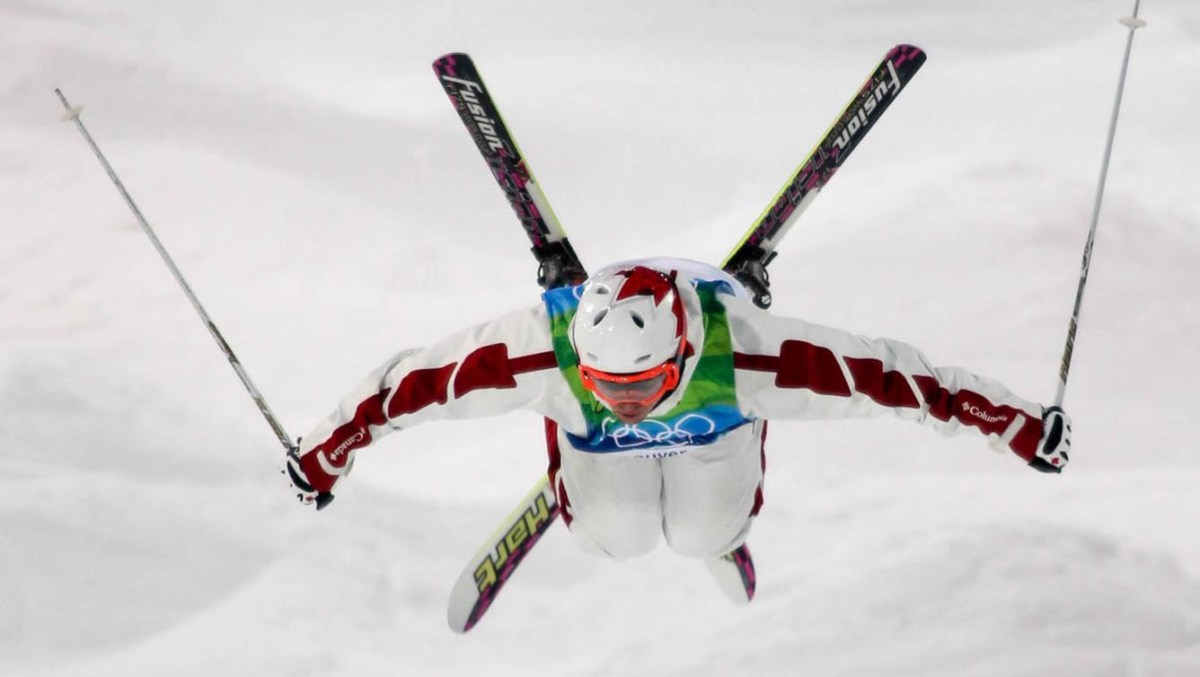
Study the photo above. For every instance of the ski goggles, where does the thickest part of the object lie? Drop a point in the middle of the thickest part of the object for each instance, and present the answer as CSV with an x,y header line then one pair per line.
x,y
643,388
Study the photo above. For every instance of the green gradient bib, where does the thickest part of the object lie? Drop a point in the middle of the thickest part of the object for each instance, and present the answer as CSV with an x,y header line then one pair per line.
x,y
707,410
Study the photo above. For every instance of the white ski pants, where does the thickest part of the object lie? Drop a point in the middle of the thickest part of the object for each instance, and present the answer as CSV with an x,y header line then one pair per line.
x,y
702,501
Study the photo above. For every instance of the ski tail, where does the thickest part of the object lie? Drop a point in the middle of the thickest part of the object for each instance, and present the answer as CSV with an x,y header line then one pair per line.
x,y
734,574
494,562
478,111
757,247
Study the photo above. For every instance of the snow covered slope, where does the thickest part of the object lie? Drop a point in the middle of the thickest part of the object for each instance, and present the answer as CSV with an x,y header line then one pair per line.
x,y
302,165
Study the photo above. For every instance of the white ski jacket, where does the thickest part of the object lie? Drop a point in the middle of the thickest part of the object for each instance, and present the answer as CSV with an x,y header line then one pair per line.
x,y
783,368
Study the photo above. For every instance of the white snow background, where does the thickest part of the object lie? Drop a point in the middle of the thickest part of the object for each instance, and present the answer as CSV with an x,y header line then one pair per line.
x,y
304,168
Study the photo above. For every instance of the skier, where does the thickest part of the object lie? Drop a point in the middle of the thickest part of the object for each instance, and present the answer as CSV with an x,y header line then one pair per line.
x,y
657,379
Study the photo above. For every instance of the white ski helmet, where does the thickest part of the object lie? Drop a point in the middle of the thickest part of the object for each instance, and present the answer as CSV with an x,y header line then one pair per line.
x,y
630,321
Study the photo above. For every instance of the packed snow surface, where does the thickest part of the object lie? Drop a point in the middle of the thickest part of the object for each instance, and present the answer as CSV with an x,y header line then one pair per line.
x,y
302,165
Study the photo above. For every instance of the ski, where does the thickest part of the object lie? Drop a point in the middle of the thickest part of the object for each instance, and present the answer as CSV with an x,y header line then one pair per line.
x,y
558,264
748,260
487,572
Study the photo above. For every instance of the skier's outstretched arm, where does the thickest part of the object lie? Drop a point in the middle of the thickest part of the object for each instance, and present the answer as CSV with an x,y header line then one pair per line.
x,y
791,369
493,368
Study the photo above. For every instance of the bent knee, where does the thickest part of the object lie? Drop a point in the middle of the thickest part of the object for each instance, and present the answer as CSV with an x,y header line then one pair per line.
x,y
705,540
616,536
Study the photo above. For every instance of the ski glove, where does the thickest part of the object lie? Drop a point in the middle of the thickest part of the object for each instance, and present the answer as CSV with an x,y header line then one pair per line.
x,y
300,483
1056,441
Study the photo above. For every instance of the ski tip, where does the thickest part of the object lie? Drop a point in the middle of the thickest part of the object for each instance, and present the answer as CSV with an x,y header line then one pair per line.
x,y
451,58
465,608
458,626
906,54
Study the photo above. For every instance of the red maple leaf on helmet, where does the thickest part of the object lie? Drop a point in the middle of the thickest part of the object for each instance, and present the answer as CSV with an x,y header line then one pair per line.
x,y
643,281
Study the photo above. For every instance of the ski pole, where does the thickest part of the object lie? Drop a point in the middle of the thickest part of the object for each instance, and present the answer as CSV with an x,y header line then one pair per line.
x,y
284,438
1133,23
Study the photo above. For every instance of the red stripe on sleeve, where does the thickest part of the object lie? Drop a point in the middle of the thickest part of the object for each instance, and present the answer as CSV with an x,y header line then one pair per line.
x,y
804,365
938,398
534,362
889,388
745,362
1026,442
799,365
486,367
419,389
975,410
347,437
490,367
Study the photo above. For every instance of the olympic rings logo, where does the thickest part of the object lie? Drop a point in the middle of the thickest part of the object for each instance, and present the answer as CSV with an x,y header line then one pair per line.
x,y
653,433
